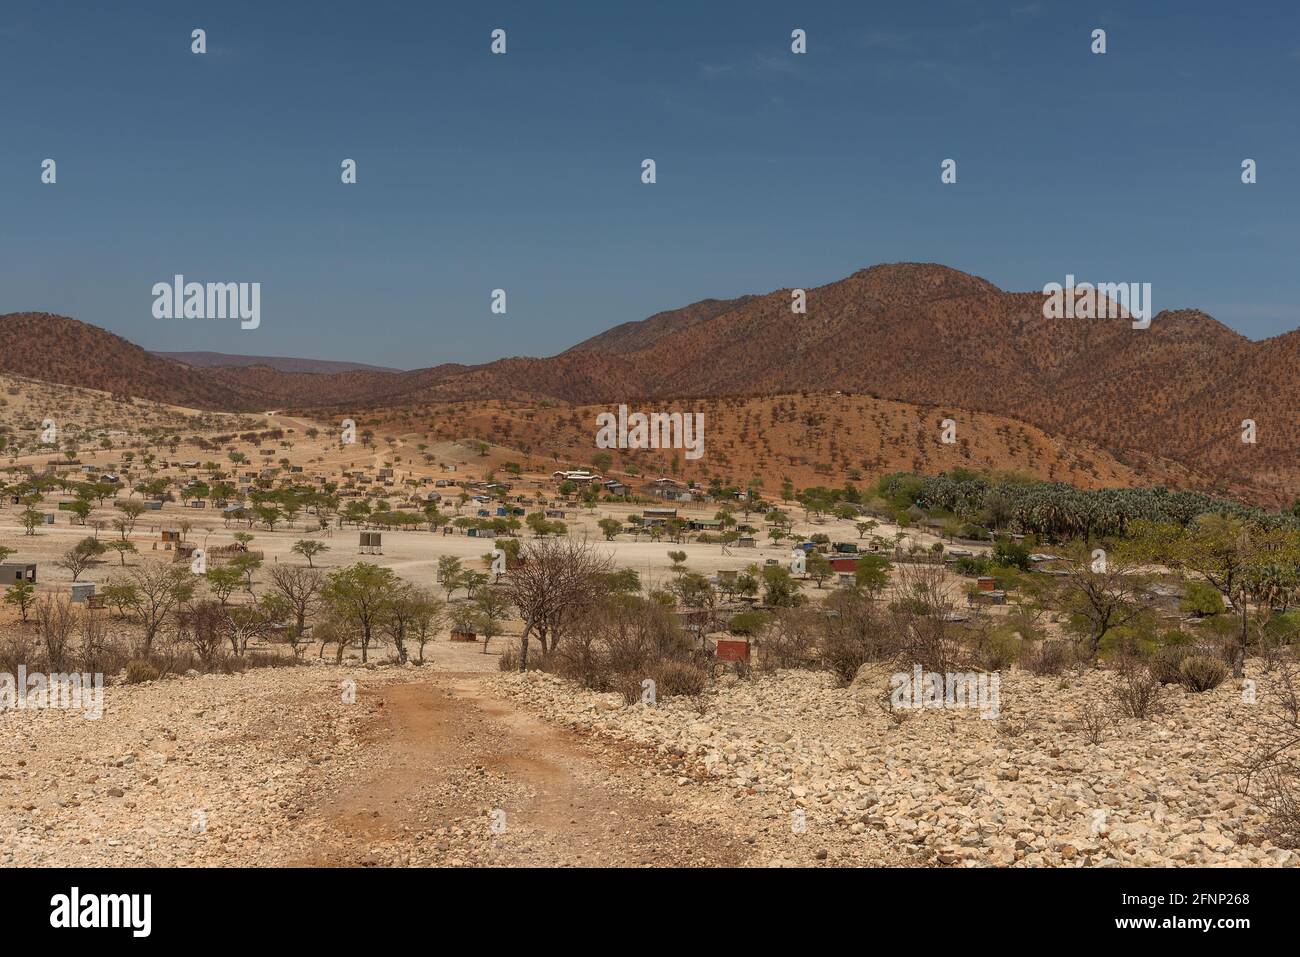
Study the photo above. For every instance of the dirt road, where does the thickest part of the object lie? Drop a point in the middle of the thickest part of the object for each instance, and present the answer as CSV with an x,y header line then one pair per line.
x,y
462,777
432,766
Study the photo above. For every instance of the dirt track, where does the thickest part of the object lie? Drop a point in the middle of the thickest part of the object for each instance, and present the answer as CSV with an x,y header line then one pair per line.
x,y
444,752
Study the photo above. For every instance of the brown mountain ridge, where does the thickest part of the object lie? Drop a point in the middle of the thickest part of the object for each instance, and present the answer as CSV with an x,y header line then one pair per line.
x,y
918,333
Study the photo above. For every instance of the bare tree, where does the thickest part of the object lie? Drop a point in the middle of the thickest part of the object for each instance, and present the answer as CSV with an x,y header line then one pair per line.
x,y
301,589
922,612
76,560
94,642
203,626
243,624
1271,769
55,620
556,577
160,589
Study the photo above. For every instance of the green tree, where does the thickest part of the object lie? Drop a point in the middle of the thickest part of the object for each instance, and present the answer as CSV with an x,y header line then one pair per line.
x,y
22,595
122,548
491,608
308,549
871,573
819,568
362,594
223,580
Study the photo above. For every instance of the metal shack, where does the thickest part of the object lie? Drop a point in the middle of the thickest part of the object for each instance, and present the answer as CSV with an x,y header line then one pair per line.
x,y
13,572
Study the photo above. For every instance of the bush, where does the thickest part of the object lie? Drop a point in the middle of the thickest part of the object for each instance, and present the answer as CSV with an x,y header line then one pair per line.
x,y
616,645
138,671
1051,657
1133,641
1200,673
1136,694
1000,650
1283,628
680,678
1202,600
856,633
748,622
790,638
1011,554
1165,663
509,659
844,654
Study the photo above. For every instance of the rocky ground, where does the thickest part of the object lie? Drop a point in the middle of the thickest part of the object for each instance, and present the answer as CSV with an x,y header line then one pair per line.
x,y
285,767
450,765
946,787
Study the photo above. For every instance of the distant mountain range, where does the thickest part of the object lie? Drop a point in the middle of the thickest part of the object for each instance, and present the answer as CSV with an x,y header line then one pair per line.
x,y
211,360
917,333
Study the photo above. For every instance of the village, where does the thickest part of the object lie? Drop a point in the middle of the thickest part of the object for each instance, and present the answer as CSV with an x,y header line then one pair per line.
x,y
807,655
289,482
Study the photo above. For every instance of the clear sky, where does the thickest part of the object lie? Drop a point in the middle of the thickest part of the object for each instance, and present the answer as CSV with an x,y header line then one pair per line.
x,y
522,171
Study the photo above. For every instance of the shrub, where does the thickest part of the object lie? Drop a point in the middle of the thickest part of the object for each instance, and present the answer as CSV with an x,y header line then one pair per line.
x,y
790,638
1051,657
617,644
975,565
680,678
1202,600
1000,650
844,654
509,659
1133,641
1012,554
1164,664
855,633
1200,673
1136,694
138,671
1283,628
748,622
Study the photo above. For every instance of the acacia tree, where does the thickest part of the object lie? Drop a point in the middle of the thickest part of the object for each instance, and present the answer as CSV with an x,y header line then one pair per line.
x,y
397,623
308,549
160,589
362,595
491,608
301,589
21,594
450,573
555,577
426,617
131,512
30,519
121,547
1238,558
243,624
1102,592
76,561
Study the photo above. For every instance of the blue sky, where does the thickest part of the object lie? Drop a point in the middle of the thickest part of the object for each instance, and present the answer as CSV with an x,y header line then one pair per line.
x,y
523,171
